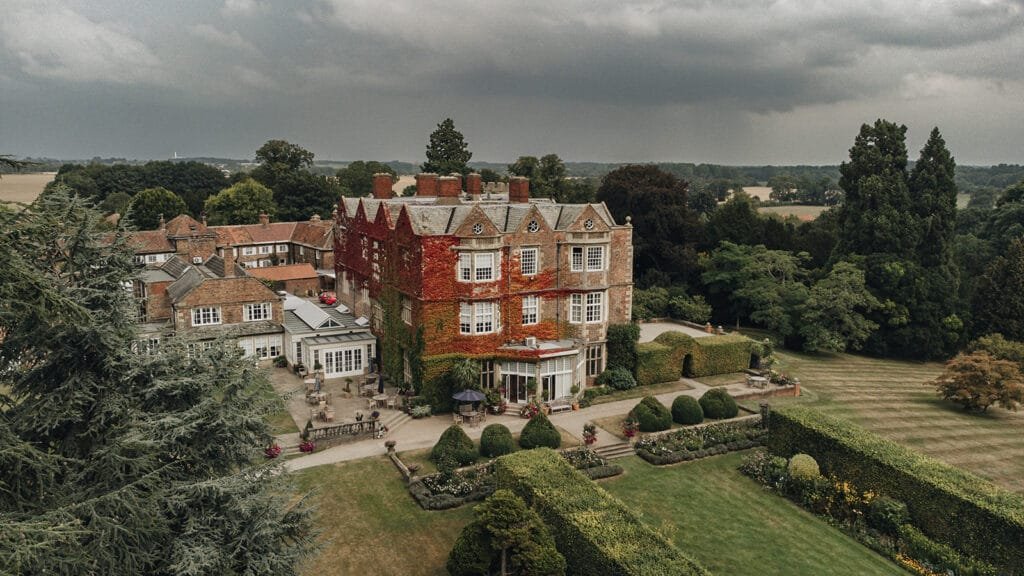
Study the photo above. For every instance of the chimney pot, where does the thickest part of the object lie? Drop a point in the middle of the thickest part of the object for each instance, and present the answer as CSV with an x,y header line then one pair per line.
x,y
448,189
264,218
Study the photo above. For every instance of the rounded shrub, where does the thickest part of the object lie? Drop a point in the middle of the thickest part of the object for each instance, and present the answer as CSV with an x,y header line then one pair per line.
x,y
496,440
651,415
887,514
471,554
803,468
455,445
616,378
686,410
717,404
538,432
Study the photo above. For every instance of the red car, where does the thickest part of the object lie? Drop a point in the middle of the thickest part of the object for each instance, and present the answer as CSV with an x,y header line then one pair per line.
x,y
328,298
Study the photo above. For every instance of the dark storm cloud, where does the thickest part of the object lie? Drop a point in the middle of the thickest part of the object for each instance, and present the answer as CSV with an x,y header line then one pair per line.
x,y
345,77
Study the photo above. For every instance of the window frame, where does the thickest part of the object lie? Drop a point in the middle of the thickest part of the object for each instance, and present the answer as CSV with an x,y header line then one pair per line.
x,y
206,316
597,307
531,310
576,308
248,250
473,320
534,260
577,260
600,258
266,311
469,266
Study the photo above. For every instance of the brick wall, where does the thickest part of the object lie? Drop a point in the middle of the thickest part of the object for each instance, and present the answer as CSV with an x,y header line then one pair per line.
x,y
231,294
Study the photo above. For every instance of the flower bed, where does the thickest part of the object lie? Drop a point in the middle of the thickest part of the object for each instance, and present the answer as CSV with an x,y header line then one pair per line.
x,y
699,442
442,491
587,461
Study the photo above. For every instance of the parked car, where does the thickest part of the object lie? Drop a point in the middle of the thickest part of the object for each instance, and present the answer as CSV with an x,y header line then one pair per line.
x,y
328,298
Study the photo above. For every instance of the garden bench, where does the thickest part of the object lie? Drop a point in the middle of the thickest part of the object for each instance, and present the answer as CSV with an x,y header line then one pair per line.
x,y
560,404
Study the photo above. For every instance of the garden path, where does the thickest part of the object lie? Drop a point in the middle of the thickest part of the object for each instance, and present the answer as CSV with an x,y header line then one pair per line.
x,y
423,433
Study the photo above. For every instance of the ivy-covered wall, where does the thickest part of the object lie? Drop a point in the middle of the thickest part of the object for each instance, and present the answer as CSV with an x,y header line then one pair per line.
x,y
663,359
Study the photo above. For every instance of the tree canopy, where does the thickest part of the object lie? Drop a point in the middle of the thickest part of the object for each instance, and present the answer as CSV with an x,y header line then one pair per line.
x,y
116,461
447,151
241,203
356,179
148,206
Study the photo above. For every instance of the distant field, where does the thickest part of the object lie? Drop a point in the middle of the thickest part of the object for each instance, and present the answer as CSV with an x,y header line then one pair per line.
x,y
962,200
802,212
23,187
896,399
759,192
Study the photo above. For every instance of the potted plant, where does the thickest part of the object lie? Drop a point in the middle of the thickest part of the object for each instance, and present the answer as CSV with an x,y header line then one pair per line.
x,y
575,390
348,385
589,434
629,428
272,451
307,446
531,387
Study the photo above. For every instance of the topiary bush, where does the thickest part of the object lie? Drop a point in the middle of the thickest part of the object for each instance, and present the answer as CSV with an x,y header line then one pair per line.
x,y
471,554
538,432
651,415
717,404
686,410
496,440
803,468
455,445
617,378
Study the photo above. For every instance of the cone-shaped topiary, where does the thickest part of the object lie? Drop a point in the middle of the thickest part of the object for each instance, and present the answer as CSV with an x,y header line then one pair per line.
x,y
539,431
454,443
686,410
718,404
651,415
495,441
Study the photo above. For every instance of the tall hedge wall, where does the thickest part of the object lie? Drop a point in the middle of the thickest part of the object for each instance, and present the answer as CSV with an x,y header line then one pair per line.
x,y
946,503
662,359
595,532
621,346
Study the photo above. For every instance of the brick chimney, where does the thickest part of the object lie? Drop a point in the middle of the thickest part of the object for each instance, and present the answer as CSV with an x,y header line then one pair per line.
x,y
474,185
264,218
426,184
448,189
382,184
229,261
518,190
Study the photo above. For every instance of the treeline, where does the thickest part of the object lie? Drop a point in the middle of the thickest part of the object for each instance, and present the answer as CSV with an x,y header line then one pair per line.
x,y
896,270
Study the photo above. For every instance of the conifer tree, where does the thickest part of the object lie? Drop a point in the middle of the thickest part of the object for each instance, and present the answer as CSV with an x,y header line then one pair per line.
x,y
116,462
447,151
999,299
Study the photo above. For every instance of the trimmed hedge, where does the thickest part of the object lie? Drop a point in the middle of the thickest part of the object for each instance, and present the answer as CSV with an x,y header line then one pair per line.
x,y
595,532
651,415
616,378
700,441
662,360
456,444
621,346
948,504
687,411
718,404
539,432
496,440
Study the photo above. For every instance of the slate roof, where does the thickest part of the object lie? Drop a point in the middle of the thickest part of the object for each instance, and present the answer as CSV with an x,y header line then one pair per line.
x,y
188,281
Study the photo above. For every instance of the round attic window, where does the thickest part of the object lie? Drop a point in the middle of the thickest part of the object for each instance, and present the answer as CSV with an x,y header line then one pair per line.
x,y
478,228
589,224
533,226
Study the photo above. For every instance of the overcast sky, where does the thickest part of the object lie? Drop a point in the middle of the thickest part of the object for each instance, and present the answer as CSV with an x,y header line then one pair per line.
x,y
721,81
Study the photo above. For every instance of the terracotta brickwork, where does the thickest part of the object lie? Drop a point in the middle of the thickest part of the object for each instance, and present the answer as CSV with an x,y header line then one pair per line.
x,y
231,295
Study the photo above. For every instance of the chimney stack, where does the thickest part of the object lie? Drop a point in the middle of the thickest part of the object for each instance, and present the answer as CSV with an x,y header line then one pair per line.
x,y
518,190
264,218
448,189
382,184
426,184
474,185
229,261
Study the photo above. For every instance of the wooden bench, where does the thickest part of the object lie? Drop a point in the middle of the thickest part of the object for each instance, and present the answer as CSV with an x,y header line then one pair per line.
x,y
560,404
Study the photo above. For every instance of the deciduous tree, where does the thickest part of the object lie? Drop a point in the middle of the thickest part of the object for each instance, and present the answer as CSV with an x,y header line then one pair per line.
x,y
278,158
833,317
148,206
978,381
356,179
240,204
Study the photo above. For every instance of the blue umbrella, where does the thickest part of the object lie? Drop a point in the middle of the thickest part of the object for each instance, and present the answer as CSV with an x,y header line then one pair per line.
x,y
469,396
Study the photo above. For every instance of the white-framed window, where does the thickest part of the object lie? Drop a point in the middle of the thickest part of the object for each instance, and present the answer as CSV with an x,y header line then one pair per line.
x,y
595,356
139,259
556,377
302,251
407,310
531,307
255,312
595,258
343,361
477,267
298,352
248,250
205,315
265,263
478,318
197,348
266,249
249,264
150,258
262,347
595,307
282,248
528,261
576,308
577,259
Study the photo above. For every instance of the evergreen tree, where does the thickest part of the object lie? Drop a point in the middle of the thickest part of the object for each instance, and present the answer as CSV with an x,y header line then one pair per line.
x,y
116,462
999,299
447,152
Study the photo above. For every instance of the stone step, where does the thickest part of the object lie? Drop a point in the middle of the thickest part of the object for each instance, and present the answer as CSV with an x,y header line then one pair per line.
x,y
618,450
395,419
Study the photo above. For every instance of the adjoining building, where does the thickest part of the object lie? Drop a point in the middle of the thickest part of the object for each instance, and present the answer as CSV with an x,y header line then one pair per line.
x,y
328,336
525,286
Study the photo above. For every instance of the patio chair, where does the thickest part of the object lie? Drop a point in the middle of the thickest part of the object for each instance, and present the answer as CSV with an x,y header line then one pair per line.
x,y
465,409
456,419
391,402
329,414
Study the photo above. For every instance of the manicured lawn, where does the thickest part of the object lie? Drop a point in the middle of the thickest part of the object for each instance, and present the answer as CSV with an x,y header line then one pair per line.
x,y
723,379
641,391
896,400
371,525
732,526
